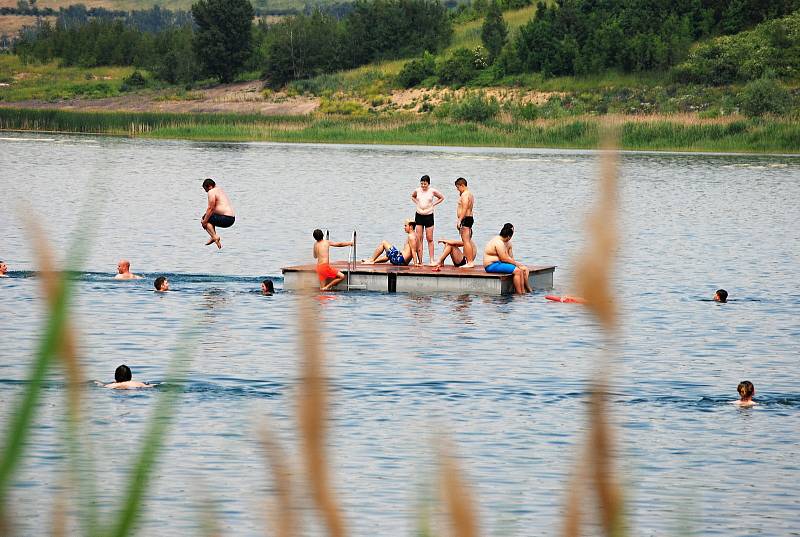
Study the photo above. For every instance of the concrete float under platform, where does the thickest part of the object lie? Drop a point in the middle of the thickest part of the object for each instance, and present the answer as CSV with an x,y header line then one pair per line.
x,y
389,278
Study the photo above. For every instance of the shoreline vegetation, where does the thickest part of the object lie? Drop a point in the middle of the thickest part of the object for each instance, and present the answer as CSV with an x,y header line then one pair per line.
x,y
673,132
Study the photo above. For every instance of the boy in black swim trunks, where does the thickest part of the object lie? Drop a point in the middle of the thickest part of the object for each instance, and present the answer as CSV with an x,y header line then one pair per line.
x,y
219,212
387,252
464,220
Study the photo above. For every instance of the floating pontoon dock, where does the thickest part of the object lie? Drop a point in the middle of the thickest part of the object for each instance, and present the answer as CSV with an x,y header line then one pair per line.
x,y
389,278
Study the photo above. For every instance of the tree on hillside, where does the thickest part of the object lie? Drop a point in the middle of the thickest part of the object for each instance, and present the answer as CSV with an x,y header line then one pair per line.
x,y
494,31
223,38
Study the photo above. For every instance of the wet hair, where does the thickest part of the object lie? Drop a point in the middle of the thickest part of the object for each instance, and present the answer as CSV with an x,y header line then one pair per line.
x,y
507,231
411,222
318,234
723,296
461,181
159,283
209,184
123,374
270,287
425,179
746,389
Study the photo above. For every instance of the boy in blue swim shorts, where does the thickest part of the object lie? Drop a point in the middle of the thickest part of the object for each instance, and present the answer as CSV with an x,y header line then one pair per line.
x,y
498,258
386,252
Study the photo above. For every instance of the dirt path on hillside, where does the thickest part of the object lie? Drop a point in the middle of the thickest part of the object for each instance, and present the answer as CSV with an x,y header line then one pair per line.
x,y
251,98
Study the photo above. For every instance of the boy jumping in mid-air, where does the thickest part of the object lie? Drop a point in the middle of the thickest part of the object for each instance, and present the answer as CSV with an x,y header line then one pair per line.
x,y
329,277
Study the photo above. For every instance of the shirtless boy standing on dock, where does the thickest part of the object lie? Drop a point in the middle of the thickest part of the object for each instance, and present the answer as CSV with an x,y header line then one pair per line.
x,y
219,212
464,220
387,252
322,254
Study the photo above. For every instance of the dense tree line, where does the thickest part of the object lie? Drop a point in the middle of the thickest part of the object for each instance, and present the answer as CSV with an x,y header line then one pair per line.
x,y
588,36
221,41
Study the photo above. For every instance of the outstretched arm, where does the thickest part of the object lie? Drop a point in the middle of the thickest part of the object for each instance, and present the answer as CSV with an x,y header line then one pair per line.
x,y
452,242
340,244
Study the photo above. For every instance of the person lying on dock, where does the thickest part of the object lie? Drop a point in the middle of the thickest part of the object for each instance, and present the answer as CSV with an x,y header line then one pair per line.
x,y
498,258
721,295
746,392
453,250
161,284
464,219
122,380
329,277
219,212
124,271
387,252
3,270
267,288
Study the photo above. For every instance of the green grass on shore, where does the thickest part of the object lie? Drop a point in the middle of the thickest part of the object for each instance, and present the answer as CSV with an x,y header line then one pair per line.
x,y
657,133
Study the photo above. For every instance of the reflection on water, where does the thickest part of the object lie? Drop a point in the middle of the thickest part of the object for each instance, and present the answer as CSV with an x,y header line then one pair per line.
x,y
506,376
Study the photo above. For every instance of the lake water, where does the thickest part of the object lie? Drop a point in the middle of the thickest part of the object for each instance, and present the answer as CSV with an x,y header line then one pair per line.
x,y
504,377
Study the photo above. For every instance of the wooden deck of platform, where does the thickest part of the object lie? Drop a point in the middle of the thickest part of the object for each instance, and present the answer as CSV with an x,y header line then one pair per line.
x,y
388,278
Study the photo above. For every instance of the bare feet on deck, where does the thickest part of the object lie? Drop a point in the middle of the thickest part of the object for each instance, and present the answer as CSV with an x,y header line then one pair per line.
x,y
366,262
468,265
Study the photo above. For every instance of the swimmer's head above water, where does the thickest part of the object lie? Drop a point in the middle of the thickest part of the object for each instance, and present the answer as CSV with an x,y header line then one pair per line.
x,y
161,284
3,269
123,374
267,288
746,392
721,295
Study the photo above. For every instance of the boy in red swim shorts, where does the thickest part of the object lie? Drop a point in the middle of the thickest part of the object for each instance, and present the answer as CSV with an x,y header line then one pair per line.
x,y
329,277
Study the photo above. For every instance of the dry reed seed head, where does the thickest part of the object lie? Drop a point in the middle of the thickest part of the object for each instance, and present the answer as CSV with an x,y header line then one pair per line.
x,y
457,496
312,417
52,284
282,510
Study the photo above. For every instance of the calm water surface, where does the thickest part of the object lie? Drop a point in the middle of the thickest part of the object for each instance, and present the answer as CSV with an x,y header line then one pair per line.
x,y
504,377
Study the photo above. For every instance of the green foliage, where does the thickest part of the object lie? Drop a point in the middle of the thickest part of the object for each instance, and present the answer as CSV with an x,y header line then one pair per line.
x,y
223,39
764,96
135,80
381,29
494,32
417,70
461,66
772,46
342,108
302,47
475,107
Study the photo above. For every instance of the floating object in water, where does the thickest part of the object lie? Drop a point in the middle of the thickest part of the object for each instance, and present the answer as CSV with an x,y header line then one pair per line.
x,y
566,299
389,278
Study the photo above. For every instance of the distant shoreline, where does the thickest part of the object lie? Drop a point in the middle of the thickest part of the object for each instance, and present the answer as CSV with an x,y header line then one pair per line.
x,y
643,133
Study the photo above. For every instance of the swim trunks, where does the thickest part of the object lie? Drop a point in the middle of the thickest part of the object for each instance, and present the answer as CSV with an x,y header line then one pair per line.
x,y
424,220
395,257
498,267
221,220
326,272
462,263
467,221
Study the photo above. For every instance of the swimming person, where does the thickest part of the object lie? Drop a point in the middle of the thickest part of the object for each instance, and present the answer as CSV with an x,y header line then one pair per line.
x,y
746,392
219,212
453,249
498,258
721,295
325,271
124,271
161,284
425,198
267,288
3,270
464,219
386,252
122,380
